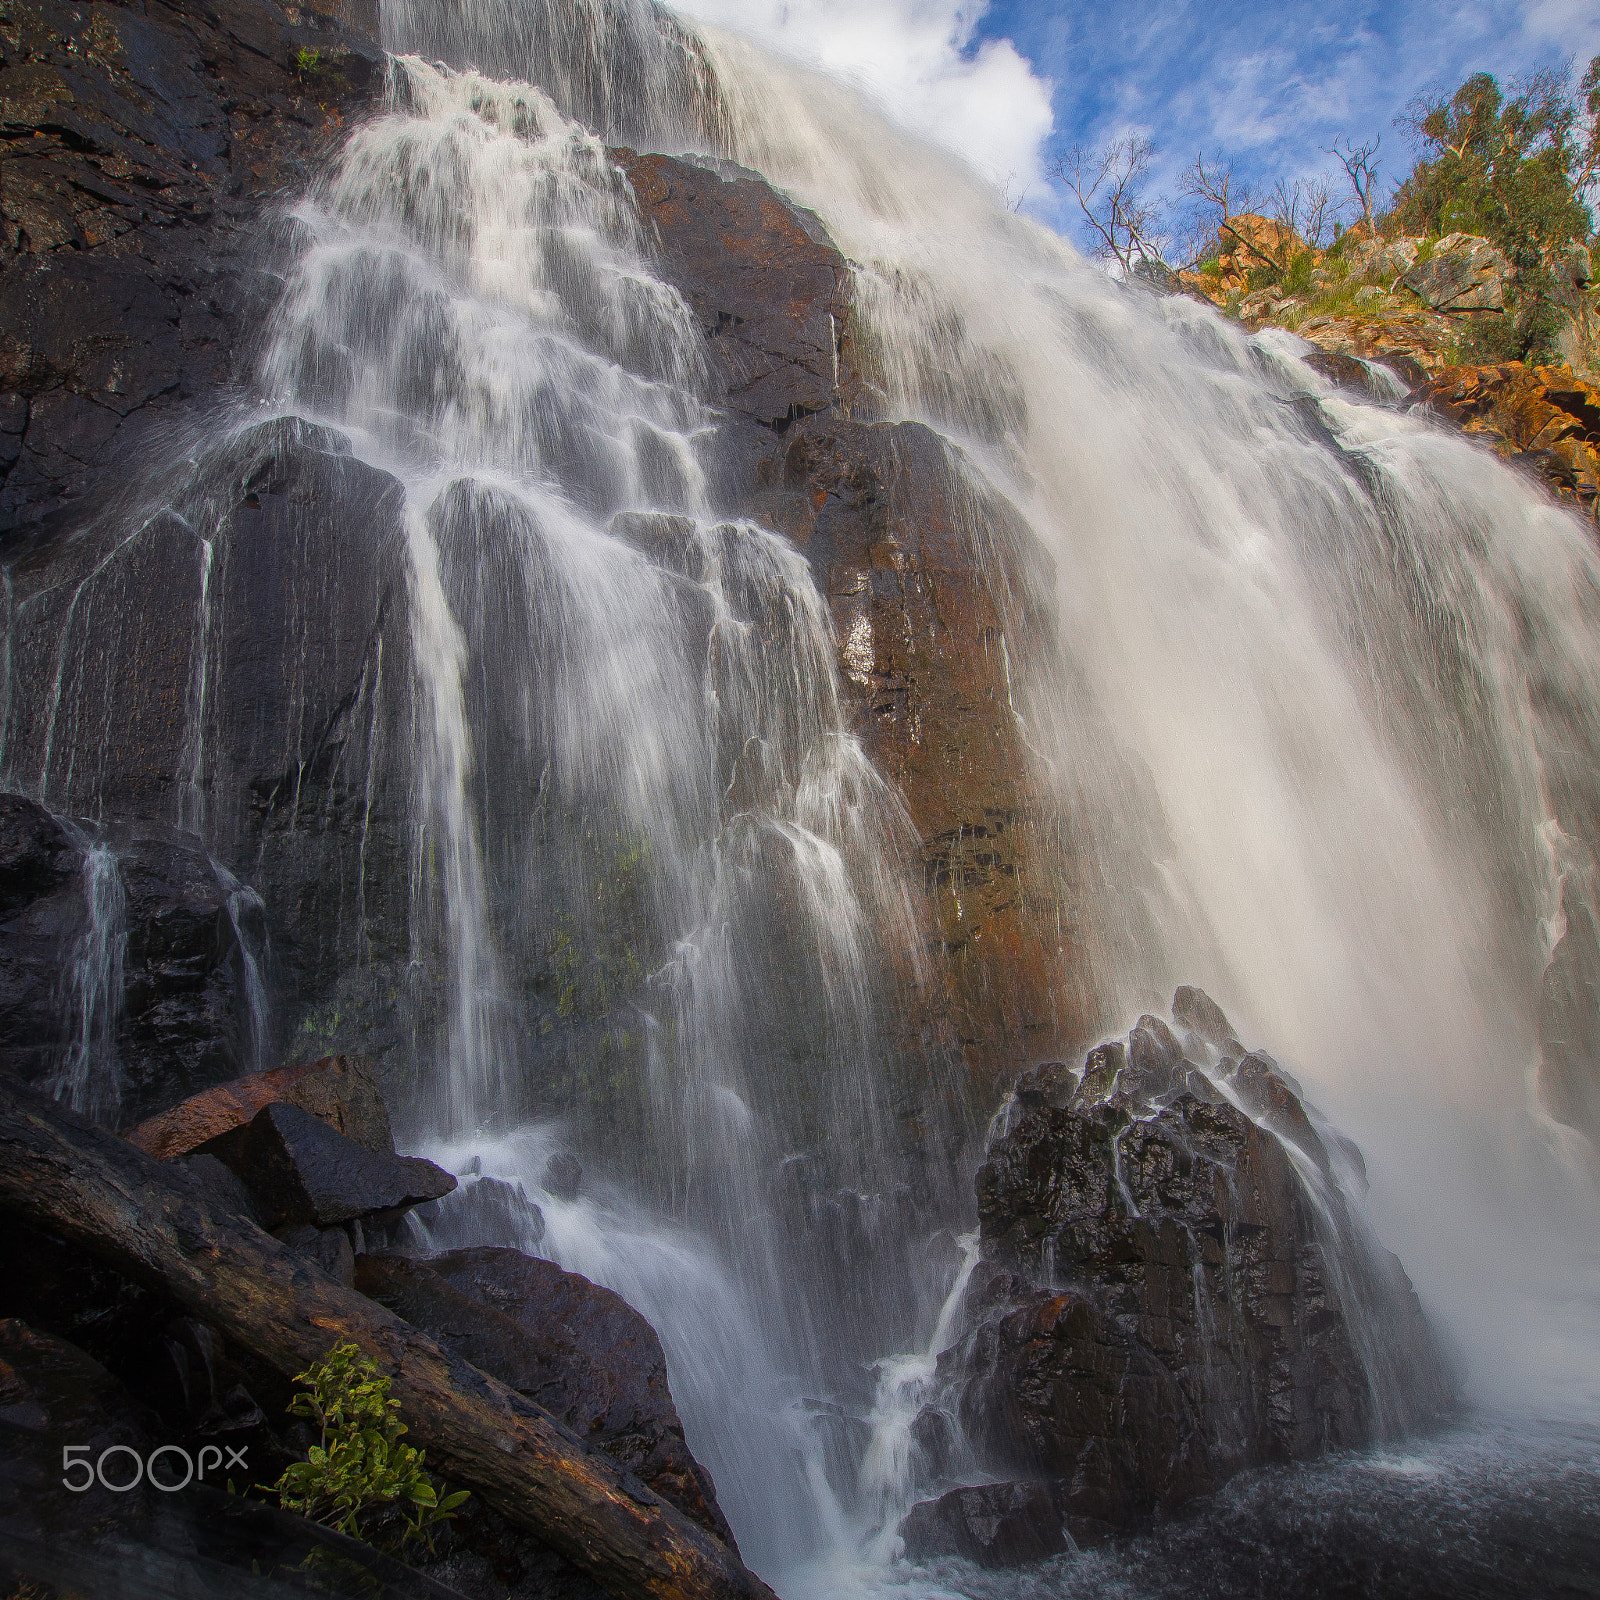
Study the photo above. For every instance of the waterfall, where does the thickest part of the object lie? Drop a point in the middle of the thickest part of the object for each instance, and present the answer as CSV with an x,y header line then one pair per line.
x,y
1316,714
90,1080
1326,694
633,782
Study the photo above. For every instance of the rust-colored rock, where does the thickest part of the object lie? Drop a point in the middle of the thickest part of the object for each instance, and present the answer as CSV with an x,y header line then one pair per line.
x,y
1248,242
761,277
338,1090
934,587
1545,417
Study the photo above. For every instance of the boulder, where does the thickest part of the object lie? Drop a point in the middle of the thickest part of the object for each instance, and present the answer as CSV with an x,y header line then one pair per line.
x,y
992,1524
563,1176
1173,1286
338,1090
301,1172
580,1351
1462,273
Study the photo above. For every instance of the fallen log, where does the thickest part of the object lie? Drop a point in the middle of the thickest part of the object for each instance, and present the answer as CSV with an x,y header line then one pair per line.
x,y
154,1223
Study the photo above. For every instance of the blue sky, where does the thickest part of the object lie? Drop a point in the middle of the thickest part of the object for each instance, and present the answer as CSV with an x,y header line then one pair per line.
x,y
1271,85
1007,83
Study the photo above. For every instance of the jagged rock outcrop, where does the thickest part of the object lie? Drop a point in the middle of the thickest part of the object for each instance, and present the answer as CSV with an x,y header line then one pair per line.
x,y
1546,418
1173,1285
1405,303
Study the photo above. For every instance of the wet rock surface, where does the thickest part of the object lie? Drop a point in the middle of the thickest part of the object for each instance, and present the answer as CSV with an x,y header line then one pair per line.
x,y
577,1349
140,142
302,1173
174,935
1173,1284
764,281
993,1524
245,684
931,583
1545,418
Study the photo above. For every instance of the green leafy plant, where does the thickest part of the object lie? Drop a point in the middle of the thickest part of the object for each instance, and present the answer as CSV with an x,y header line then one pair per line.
x,y
359,1477
308,61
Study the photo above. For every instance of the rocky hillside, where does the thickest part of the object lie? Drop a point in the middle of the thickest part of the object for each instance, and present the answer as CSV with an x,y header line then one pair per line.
x,y
1422,308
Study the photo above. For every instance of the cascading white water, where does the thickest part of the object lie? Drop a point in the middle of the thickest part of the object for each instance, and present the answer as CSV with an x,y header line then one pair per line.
x,y
1354,660
1302,718
628,713
90,1080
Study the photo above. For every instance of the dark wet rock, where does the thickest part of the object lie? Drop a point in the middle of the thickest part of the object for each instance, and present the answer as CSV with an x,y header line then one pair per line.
x,y
1101,1069
185,1000
1056,1388
1196,1012
42,919
1273,1101
182,1017
992,1524
563,1176
669,541
761,276
484,1207
341,1091
38,856
300,1171
1351,372
290,614
925,576
1169,1293
330,1248
580,1351
1051,1083
140,144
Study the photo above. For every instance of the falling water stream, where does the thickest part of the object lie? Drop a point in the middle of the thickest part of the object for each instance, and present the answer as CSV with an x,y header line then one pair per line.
x,y
1323,718
1311,651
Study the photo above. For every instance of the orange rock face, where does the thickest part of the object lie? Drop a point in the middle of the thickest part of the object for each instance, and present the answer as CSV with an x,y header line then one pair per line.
x,y
1547,417
927,580
339,1090
1248,241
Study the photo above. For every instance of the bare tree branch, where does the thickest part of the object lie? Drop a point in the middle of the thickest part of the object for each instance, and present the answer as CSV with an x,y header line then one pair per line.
x,y
1109,186
1360,163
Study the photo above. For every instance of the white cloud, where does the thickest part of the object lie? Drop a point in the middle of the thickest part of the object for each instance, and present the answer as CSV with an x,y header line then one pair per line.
x,y
914,57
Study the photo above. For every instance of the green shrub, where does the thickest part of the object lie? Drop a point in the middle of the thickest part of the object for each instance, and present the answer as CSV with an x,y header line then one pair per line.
x,y
1297,280
358,1477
